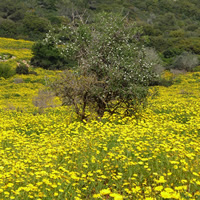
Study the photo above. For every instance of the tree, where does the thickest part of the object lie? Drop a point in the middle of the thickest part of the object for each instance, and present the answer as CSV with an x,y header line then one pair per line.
x,y
112,72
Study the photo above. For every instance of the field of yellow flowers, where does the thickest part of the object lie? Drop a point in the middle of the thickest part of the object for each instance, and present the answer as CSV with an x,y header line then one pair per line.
x,y
51,155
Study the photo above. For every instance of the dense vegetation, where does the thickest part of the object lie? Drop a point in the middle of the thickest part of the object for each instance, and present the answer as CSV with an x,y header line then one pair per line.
x,y
172,26
47,153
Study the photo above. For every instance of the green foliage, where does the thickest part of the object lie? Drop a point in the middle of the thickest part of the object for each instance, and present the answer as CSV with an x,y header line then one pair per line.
x,y
48,4
177,33
35,27
167,21
12,9
150,30
196,69
163,20
169,24
7,28
114,70
22,69
159,43
48,56
6,70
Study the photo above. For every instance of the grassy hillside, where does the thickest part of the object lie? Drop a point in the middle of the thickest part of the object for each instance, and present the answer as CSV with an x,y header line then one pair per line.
x,y
48,154
18,91
20,49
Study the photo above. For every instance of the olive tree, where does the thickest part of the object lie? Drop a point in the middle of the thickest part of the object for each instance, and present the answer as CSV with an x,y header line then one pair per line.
x,y
112,73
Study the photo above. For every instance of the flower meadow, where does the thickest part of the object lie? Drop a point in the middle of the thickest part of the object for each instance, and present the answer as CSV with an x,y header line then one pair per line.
x,y
52,155
19,49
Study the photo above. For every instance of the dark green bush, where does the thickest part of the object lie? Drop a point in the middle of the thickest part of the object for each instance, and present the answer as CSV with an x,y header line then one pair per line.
x,y
188,44
168,56
48,56
177,33
159,43
150,30
22,69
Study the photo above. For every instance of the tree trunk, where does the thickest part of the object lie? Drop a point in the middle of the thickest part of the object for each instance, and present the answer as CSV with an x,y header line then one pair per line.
x,y
101,108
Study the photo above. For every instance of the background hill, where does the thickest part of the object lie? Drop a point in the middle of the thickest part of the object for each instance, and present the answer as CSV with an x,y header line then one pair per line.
x,y
173,26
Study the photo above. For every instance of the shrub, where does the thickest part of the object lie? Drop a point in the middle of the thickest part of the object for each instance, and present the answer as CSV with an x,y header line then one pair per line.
x,y
159,43
35,27
114,70
48,56
196,69
6,70
171,52
150,30
22,69
188,44
186,61
177,33
7,28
